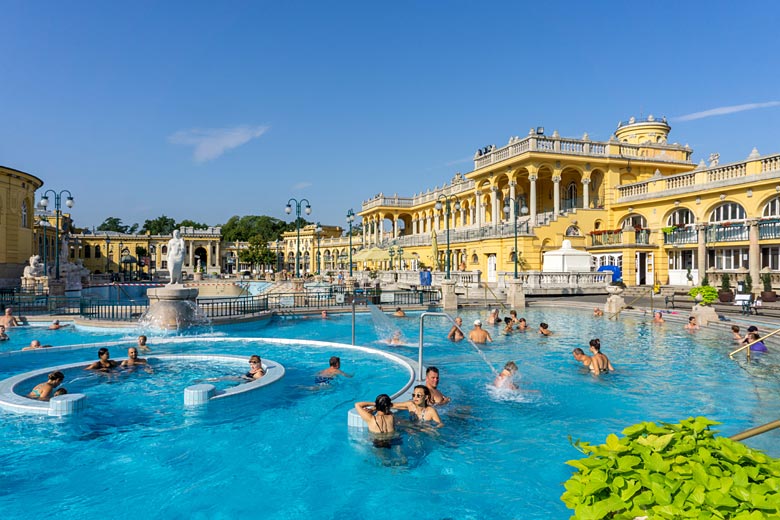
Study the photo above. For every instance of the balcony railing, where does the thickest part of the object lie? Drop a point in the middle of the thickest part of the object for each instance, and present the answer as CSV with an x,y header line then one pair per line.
x,y
620,237
686,235
727,232
769,229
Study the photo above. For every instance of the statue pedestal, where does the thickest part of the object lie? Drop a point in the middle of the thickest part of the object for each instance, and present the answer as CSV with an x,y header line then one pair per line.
x,y
349,284
297,284
449,300
56,287
615,304
704,314
172,307
515,297
197,277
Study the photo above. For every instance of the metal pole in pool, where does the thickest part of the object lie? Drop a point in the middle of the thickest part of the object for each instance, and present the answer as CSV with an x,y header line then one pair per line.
x,y
353,318
420,350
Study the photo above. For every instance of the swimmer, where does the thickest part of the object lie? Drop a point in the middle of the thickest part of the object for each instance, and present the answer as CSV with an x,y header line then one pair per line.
x,y
583,358
3,335
256,370
379,419
756,344
34,345
493,319
509,325
104,363
504,378
600,362
522,324
61,391
142,344
133,360
456,332
597,312
324,315
325,377
8,319
418,408
399,313
396,338
43,391
55,325
478,334
432,382
750,329
513,317
691,325
735,333
544,329
658,317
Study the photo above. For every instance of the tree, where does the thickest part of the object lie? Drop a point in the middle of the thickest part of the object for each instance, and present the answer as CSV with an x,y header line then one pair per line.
x,y
242,229
160,226
113,224
191,223
357,230
257,253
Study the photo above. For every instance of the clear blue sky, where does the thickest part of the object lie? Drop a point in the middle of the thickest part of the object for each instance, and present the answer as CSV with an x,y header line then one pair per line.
x,y
205,110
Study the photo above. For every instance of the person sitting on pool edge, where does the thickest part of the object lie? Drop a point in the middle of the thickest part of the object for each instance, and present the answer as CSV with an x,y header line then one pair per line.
x,y
326,377
432,382
256,370
104,363
418,408
504,378
43,391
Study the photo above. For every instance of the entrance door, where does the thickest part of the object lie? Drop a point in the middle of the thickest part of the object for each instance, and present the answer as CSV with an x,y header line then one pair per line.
x,y
491,274
641,268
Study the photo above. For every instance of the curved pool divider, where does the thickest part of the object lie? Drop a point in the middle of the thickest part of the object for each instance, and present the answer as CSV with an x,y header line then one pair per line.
x,y
19,404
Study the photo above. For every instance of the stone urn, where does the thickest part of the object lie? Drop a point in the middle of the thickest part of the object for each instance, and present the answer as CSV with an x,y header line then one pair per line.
x,y
614,289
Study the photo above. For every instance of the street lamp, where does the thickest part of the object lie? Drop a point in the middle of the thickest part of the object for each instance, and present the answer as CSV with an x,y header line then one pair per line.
x,y
44,224
523,211
319,236
57,205
278,258
447,212
400,258
288,210
350,220
391,253
108,253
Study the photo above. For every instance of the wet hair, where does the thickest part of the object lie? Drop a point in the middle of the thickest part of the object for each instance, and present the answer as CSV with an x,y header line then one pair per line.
x,y
383,403
595,343
735,328
432,369
102,351
690,319
754,336
143,339
543,325
57,375
511,366
507,320
255,357
752,328
60,391
397,309
513,313
425,391
522,319
334,361
579,351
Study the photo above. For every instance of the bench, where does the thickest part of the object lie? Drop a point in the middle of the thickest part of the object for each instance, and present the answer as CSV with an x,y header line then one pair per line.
x,y
747,303
669,299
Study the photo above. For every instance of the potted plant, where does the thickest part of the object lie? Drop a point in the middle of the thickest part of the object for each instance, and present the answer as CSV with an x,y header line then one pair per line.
x,y
672,471
767,295
725,295
708,294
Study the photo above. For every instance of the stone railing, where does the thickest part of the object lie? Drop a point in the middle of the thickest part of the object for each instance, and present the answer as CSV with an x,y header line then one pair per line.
x,y
727,172
682,180
536,280
770,164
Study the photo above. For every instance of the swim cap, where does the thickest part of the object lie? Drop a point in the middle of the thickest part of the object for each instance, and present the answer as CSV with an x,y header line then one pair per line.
x,y
477,323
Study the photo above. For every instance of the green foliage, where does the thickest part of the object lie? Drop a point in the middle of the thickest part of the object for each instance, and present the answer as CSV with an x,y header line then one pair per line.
x,y
191,223
162,225
708,293
257,253
766,279
115,224
705,282
748,284
672,471
242,229
725,282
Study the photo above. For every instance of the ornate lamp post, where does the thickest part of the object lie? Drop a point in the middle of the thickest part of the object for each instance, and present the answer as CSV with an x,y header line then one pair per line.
x,y
288,210
44,224
57,206
523,210
391,252
450,202
318,231
350,220
400,258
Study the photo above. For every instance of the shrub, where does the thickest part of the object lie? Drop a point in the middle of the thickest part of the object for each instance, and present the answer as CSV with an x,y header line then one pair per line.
x,y
766,279
705,282
672,471
725,282
748,284
708,294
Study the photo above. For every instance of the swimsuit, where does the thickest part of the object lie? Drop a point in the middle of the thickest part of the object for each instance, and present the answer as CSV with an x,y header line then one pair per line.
x,y
36,392
413,415
322,380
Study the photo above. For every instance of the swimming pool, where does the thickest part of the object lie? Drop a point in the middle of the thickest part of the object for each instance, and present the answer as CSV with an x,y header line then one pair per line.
x,y
285,451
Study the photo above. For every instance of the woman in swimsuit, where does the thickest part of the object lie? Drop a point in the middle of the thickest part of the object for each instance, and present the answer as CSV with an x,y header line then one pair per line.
x,y
256,370
43,391
381,422
418,407
104,363
522,324
599,362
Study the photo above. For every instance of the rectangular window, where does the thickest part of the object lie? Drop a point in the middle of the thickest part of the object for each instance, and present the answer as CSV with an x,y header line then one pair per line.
x,y
770,257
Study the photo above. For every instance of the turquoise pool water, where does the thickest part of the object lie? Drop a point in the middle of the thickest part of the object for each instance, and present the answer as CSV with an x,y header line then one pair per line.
x,y
285,451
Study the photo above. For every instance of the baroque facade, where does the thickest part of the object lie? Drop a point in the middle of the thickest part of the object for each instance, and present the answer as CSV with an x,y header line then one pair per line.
x,y
17,203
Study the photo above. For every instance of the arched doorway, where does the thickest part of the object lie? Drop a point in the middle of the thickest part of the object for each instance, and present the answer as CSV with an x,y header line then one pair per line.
x,y
200,257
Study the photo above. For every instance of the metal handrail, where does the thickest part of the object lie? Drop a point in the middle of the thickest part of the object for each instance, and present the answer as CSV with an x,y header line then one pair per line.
x,y
615,314
758,430
487,288
747,346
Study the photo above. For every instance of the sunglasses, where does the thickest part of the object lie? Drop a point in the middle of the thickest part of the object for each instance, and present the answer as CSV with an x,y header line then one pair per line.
x,y
418,395
254,362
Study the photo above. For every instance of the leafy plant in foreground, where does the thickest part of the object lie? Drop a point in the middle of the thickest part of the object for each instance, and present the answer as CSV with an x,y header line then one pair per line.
x,y
673,471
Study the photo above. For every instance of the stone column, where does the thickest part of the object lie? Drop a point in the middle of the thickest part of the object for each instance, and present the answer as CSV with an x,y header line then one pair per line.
x,y
701,252
512,205
556,195
754,254
494,206
532,207
436,222
585,193
478,208
191,257
449,300
515,296
395,226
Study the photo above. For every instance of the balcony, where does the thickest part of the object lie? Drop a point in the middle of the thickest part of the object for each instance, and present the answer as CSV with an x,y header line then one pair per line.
x,y
681,236
620,237
726,232
769,229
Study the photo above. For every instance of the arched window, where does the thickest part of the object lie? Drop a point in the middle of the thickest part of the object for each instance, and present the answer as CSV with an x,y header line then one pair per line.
x,y
165,250
727,212
97,252
87,251
24,213
634,221
772,208
474,259
572,231
570,201
680,217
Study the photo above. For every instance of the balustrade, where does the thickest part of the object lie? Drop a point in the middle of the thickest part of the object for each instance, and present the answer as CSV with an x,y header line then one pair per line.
x,y
727,232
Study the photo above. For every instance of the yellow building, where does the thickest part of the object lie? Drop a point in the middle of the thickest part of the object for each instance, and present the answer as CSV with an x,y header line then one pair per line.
x,y
617,199
17,203
323,249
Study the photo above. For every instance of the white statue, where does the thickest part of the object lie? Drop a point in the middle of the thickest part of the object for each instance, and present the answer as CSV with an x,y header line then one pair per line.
x,y
35,268
176,252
